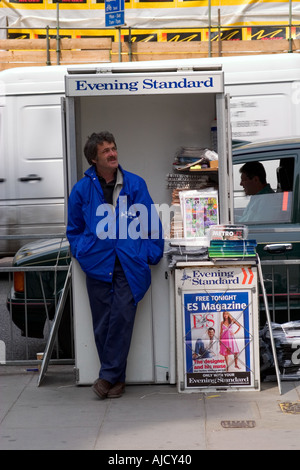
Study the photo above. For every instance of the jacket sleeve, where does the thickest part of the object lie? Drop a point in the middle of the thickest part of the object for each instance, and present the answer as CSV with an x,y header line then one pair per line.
x,y
76,223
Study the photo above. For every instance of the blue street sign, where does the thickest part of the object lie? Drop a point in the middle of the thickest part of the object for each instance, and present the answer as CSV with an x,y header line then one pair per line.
x,y
114,13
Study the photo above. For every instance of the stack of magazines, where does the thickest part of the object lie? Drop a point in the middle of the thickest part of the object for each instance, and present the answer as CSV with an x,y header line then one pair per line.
x,y
230,241
232,248
177,253
287,341
187,157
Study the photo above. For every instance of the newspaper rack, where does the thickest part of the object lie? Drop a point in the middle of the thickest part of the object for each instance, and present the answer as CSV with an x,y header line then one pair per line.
x,y
217,325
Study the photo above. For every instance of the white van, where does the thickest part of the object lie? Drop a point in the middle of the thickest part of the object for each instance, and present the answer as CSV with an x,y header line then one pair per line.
x,y
265,93
31,164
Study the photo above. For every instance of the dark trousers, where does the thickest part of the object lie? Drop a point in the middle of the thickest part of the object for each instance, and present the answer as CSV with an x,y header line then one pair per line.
x,y
113,311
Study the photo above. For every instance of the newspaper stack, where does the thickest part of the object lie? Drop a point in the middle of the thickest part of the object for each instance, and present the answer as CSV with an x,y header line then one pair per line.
x,y
287,344
188,157
229,241
232,249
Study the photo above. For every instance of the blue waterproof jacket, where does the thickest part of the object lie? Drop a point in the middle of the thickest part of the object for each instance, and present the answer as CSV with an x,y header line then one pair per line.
x,y
98,233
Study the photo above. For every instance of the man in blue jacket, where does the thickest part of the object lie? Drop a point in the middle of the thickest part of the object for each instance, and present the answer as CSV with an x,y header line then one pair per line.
x,y
115,233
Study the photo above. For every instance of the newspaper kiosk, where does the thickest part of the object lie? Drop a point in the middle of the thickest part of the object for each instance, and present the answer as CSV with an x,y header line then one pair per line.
x,y
151,111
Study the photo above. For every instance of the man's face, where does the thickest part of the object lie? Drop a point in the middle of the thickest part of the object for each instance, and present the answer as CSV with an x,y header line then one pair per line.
x,y
210,334
249,185
107,157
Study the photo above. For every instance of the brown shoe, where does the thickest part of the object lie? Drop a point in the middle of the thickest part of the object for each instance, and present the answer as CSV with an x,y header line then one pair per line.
x,y
101,387
117,390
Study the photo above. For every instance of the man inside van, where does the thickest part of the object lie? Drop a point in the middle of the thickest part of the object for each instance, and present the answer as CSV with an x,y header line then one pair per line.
x,y
254,182
114,234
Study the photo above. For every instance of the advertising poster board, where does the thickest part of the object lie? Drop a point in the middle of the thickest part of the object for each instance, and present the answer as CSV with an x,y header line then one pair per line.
x,y
219,321
199,211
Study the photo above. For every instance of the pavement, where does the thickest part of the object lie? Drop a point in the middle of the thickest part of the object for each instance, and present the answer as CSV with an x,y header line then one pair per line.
x,y
60,415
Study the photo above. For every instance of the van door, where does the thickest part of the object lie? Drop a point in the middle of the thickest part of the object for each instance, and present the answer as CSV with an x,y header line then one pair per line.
x,y
39,181
8,216
39,148
274,222
3,167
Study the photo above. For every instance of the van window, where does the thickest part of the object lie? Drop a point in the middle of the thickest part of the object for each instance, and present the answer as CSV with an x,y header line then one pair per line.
x,y
269,207
40,132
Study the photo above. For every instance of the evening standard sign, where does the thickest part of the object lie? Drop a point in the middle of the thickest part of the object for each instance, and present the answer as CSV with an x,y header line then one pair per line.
x,y
87,85
230,276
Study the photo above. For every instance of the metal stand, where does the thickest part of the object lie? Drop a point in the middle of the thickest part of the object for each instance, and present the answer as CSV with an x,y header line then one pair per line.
x,y
269,324
55,326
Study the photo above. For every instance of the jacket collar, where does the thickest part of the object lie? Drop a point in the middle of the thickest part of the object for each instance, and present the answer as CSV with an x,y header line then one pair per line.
x,y
91,172
121,178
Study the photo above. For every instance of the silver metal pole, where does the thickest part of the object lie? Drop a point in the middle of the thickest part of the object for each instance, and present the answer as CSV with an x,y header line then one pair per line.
x,y
290,27
269,324
48,46
57,35
209,28
120,45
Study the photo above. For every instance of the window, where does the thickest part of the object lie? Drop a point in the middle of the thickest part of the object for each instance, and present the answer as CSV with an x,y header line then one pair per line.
x,y
40,137
272,205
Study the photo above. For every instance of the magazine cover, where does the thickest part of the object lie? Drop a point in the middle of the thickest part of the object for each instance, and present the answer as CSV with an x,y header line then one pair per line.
x,y
199,211
218,339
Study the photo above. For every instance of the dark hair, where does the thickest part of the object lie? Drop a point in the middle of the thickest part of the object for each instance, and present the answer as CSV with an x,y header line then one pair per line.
x,y
91,146
251,169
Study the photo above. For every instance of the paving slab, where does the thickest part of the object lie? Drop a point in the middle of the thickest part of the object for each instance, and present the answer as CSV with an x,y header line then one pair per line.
x,y
59,415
